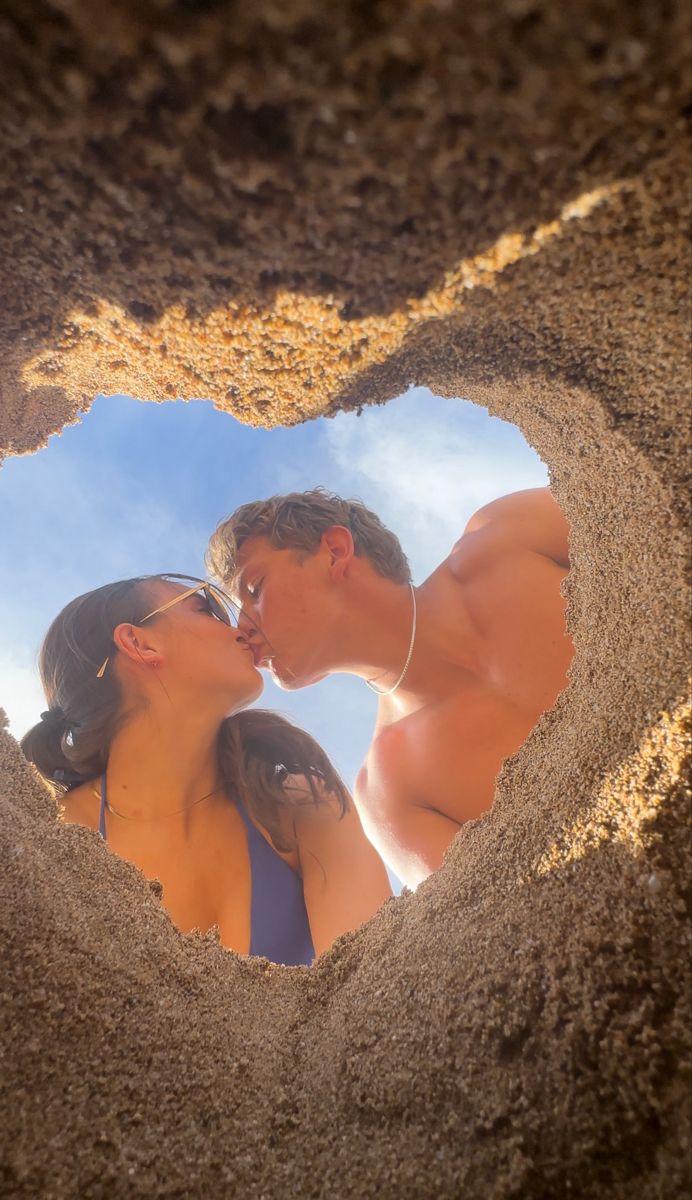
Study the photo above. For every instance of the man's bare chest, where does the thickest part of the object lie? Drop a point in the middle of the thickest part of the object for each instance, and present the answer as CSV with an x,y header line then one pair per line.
x,y
446,755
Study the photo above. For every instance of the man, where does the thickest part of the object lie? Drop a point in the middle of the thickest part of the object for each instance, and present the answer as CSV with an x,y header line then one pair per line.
x,y
465,663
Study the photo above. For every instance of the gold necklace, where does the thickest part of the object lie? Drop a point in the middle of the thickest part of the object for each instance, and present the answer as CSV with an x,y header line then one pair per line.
x,y
158,816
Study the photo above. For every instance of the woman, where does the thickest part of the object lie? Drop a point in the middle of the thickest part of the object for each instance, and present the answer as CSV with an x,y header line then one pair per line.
x,y
239,814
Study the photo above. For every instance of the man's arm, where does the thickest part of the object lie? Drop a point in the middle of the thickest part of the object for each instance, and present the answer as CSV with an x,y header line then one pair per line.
x,y
532,519
412,839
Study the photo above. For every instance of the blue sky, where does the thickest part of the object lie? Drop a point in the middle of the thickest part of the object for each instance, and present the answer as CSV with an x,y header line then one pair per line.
x,y
137,488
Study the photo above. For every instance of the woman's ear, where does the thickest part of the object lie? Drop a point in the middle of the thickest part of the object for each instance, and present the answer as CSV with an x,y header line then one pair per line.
x,y
136,645
338,542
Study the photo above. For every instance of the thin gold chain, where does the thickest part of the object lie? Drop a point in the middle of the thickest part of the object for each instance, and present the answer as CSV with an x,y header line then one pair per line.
x,y
159,816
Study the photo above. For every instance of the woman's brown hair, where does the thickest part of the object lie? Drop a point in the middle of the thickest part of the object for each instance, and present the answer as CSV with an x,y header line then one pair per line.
x,y
258,750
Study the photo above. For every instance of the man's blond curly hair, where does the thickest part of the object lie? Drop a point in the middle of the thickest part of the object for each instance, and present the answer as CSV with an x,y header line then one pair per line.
x,y
297,521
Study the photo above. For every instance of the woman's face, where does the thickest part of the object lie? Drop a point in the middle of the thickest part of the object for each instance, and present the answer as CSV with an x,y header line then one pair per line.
x,y
201,656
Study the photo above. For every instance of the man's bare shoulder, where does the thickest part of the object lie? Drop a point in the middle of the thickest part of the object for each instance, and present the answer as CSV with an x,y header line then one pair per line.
x,y
529,520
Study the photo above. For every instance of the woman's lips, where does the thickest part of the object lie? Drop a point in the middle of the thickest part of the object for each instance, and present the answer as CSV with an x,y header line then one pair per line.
x,y
262,655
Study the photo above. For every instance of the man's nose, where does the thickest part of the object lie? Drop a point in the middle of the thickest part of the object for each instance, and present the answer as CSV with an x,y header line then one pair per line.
x,y
246,625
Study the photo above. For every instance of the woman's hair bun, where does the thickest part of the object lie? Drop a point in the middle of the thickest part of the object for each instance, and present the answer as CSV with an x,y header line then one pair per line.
x,y
53,716
44,744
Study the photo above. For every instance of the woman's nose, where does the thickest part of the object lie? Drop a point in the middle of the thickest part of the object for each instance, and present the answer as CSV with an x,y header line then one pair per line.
x,y
245,625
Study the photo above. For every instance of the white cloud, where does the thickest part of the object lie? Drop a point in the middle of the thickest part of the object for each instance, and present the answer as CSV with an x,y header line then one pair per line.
x,y
425,465
21,694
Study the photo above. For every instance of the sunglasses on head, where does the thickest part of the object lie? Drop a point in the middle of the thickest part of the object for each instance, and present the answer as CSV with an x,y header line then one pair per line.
x,y
220,605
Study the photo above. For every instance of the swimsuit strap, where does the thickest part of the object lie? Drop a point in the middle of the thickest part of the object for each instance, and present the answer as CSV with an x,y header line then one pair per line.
x,y
246,820
102,811
279,925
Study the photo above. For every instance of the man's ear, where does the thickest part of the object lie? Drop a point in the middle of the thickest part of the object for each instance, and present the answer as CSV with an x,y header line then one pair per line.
x,y
338,542
136,645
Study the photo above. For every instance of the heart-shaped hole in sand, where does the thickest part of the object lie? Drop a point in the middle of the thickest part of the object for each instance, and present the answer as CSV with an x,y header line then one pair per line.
x,y
142,489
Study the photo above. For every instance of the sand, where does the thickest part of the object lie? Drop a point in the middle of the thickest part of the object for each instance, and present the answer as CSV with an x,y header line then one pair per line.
x,y
294,211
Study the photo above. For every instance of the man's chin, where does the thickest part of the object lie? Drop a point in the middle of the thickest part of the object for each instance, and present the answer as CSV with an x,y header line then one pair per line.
x,y
289,682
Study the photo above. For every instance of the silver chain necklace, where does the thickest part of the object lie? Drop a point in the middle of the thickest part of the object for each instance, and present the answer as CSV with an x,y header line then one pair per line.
x,y
389,691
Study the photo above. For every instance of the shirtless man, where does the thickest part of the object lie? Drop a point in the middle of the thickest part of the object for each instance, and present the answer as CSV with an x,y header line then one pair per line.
x,y
465,663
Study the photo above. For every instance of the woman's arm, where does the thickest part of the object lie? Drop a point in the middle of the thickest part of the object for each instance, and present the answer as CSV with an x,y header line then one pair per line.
x,y
344,878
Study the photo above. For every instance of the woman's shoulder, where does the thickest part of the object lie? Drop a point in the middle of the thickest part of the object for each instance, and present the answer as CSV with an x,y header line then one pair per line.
x,y
297,818
312,815
82,805
289,856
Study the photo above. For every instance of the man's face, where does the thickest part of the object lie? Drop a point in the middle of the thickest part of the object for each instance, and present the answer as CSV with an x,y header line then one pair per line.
x,y
287,610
